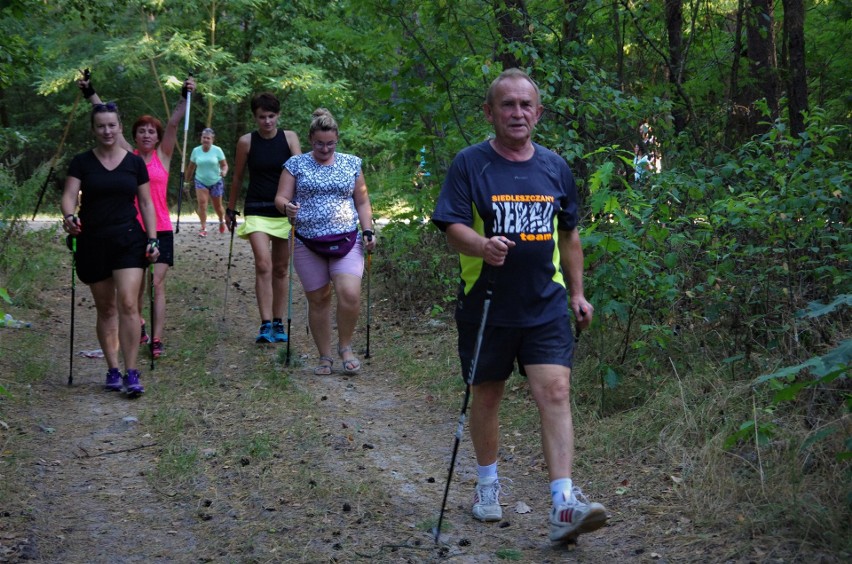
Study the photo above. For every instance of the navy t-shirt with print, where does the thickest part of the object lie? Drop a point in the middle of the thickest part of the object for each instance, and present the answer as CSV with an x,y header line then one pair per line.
x,y
527,202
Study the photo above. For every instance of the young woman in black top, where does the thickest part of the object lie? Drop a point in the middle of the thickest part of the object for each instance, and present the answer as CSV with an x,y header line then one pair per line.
x,y
264,152
112,249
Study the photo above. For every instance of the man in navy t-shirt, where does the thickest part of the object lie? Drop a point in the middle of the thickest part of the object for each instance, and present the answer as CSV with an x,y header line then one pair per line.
x,y
509,207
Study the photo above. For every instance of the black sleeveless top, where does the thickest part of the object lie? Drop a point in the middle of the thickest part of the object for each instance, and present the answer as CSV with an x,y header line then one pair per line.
x,y
265,161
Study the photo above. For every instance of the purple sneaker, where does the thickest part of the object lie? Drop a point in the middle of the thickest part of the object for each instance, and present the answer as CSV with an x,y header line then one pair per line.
x,y
132,387
113,380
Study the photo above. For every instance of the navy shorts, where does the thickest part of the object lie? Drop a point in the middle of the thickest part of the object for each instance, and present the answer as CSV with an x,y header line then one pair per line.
x,y
551,343
167,247
217,190
97,257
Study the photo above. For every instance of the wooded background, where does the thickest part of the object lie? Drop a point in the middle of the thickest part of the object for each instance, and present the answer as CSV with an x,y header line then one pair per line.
x,y
730,265
399,75
741,238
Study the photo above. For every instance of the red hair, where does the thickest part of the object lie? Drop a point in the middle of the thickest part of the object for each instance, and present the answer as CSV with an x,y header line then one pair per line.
x,y
148,120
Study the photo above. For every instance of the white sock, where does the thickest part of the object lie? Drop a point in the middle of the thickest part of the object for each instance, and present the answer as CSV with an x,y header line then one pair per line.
x,y
489,471
560,490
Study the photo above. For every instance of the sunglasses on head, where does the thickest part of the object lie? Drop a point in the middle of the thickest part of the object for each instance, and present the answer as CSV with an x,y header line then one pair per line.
x,y
108,107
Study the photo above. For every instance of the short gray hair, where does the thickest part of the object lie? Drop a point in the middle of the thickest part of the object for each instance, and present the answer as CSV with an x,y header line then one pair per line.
x,y
505,75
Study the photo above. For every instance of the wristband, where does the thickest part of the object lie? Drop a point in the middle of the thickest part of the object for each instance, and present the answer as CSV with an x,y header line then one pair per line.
x,y
368,234
88,91
155,243
71,215
183,91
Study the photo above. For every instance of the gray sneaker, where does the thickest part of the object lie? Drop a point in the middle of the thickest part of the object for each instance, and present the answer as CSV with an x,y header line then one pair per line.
x,y
575,516
486,505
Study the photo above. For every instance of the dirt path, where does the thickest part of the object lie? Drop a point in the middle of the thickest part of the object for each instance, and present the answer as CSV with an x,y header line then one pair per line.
x,y
231,457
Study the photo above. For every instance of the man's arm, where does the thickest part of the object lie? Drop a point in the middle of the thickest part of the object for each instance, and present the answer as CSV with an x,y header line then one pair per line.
x,y
468,242
571,260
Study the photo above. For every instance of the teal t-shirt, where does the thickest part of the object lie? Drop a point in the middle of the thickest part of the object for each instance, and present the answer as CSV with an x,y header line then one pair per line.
x,y
207,164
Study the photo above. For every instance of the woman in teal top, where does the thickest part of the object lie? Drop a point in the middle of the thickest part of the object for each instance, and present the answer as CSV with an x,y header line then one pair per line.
x,y
209,166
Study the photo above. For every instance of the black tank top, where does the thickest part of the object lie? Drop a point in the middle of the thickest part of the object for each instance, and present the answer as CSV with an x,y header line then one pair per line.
x,y
264,162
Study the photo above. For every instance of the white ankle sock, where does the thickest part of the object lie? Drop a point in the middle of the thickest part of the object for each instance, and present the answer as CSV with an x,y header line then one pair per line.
x,y
489,471
560,490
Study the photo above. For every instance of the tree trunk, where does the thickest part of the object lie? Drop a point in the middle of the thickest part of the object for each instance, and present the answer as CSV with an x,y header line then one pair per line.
x,y
797,86
674,25
511,31
760,42
4,114
737,112
570,30
618,30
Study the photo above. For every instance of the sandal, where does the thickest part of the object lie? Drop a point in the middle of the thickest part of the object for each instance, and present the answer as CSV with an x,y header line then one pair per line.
x,y
324,369
352,365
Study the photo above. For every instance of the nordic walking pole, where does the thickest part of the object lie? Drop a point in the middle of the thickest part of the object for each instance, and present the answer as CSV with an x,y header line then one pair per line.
x,y
292,244
489,290
151,306
183,157
86,75
369,269
233,226
73,246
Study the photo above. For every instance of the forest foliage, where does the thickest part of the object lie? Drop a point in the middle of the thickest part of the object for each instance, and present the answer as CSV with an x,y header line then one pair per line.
x,y
738,245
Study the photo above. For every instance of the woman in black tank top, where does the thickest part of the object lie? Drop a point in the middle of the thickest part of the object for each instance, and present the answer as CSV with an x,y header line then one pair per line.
x,y
263,152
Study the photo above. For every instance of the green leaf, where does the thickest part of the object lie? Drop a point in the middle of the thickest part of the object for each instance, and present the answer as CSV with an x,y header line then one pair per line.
x,y
816,309
831,364
789,393
611,378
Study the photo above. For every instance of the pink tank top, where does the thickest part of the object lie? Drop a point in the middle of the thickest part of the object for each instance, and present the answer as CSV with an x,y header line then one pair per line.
x,y
159,181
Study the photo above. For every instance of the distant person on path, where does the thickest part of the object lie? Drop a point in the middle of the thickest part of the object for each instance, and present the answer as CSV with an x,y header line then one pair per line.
x,y
650,147
325,195
209,167
112,248
263,152
641,164
509,207
156,146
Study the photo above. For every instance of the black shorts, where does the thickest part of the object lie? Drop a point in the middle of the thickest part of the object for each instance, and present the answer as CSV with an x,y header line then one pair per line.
x,y
551,343
167,247
97,257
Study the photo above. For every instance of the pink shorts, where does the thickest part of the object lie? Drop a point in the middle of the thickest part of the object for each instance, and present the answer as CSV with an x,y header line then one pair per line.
x,y
315,271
